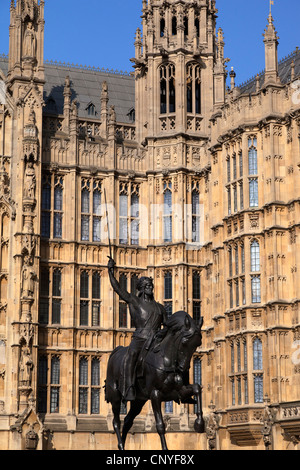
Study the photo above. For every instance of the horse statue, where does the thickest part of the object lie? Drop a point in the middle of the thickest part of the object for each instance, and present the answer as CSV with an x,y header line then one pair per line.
x,y
161,376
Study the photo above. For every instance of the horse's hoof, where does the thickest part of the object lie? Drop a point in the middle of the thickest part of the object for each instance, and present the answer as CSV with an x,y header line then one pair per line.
x,y
199,426
121,447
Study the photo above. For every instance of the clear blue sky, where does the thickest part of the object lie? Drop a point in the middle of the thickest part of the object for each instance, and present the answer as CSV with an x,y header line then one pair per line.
x,y
101,33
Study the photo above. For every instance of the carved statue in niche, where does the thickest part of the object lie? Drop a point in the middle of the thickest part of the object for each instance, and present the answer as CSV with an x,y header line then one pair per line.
x,y
112,114
25,367
28,279
29,44
29,180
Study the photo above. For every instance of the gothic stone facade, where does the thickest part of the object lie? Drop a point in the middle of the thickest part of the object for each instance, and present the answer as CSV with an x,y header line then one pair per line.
x,y
170,135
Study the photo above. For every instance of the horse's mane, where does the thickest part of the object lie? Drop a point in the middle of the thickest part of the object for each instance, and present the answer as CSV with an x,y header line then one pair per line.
x,y
177,321
175,324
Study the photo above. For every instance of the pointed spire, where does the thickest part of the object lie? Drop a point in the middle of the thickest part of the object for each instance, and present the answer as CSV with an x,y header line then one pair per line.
x,y
271,51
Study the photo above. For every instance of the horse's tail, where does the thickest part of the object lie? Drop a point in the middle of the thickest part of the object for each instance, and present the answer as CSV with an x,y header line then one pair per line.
x,y
113,368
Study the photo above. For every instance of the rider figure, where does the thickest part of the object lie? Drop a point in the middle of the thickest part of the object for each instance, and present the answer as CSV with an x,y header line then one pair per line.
x,y
147,317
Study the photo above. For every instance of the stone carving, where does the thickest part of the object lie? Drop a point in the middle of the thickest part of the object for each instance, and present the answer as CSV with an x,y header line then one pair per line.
x,y
29,45
29,180
25,367
268,420
28,8
28,279
212,424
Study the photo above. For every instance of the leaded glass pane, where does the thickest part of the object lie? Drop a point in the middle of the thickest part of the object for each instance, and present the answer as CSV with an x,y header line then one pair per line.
x,y
46,224
256,290
55,371
197,372
169,407
123,231
57,229
122,315
135,205
232,358
255,257
135,232
96,314
96,286
56,312
168,229
258,389
95,401
257,355
84,313
84,285
42,400
46,197
253,193
96,229
56,285
197,312
43,371
239,391
83,401
97,203
253,170
45,280
168,291
58,199
85,232
196,286
44,311
123,205
83,371
54,400
95,372
85,201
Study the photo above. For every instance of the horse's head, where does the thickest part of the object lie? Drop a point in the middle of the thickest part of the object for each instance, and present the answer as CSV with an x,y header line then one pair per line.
x,y
187,339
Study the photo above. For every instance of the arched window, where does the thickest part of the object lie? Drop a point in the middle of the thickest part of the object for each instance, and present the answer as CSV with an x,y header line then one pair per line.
x,y
84,296
256,289
257,354
167,89
83,389
55,381
96,296
56,297
255,256
84,285
258,389
162,27
95,392
91,109
193,88
174,26
252,145
186,25
196,215
168,212
123,309
197,26
168,293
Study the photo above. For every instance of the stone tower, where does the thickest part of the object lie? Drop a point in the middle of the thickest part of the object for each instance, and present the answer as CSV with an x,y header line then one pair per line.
x,y
21,168
179,65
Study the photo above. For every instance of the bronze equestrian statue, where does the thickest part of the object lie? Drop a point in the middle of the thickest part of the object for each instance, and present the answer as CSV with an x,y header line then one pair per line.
x,y
156,364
